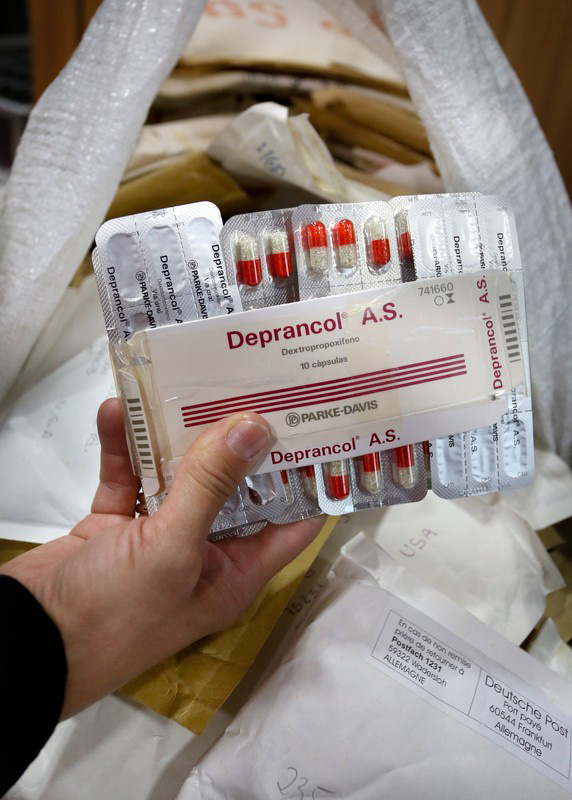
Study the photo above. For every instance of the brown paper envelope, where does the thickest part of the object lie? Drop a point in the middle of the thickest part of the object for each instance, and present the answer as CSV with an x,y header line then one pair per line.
x,y
335,127
371,111
189,179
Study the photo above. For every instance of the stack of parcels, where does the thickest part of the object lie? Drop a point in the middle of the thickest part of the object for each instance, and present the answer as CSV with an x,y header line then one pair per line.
x,y
272,105
242,55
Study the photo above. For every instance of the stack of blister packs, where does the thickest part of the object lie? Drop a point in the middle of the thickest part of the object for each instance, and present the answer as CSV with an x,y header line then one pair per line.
x,y
401,366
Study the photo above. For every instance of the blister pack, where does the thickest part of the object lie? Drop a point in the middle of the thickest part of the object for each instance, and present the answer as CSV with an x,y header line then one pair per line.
x,y
258,249
343,248
381,341
451,235
156,269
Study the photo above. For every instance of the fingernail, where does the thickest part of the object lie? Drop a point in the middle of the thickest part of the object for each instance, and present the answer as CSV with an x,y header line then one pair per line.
x,y
248,438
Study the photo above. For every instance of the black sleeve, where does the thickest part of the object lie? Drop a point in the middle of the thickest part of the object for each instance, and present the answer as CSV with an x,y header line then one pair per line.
x,y
33,674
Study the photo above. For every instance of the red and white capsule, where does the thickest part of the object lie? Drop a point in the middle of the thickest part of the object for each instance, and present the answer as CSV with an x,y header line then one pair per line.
x,y
404,245
371,477
404,467
278,256
287,488
377,243
248,267
427,456
315,246
309,480
336,479
345,250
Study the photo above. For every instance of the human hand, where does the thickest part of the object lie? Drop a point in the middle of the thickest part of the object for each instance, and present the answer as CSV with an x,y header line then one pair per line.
x,y
126,593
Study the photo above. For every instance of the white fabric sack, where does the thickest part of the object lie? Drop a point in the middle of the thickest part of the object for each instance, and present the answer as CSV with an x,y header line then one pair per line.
x,y
338,719
482,556
72,155
485,137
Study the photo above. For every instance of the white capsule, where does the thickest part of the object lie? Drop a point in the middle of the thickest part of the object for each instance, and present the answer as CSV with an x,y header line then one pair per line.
x,y
318,259
375,227
347,256
309,479
370,473
404,469
315,244
372,483
286,484
406,477
247,247
278,241
337,479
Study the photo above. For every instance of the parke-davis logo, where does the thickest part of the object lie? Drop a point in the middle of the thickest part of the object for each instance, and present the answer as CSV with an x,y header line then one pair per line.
x,y
293,419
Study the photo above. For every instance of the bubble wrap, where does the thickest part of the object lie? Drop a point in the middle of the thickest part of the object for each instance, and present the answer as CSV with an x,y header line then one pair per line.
x,y
486,138
72,155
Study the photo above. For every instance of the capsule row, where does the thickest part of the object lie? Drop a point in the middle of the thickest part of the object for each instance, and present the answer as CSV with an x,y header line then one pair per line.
x,y
276,253
336,474
466,233
316,238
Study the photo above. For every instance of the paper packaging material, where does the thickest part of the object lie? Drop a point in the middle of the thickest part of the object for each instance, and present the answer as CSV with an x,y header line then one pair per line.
x,y
484,557
550,649
549,498
161,144
559,604
498,148
188,401
294,35
385,659
264,146
74,326
338,128
72,154
113,749
387,114
50,437
231,89
191,177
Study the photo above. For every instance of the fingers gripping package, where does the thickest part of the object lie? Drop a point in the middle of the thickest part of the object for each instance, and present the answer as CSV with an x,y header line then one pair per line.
x,y
385,344
154,270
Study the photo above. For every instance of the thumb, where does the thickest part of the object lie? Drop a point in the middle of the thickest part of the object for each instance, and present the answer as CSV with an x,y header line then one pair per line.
x,y
210,472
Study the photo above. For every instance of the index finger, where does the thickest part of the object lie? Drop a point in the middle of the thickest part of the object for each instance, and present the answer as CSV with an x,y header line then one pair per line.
x,y
118,486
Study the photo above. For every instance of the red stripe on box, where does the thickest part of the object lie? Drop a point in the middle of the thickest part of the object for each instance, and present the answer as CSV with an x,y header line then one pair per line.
x,y
347,394
294,395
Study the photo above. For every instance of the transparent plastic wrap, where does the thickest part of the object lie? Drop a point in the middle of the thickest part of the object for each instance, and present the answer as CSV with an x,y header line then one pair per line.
x,y
389,345
484,134
344,248
71,157
258,251
154,269
466,233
